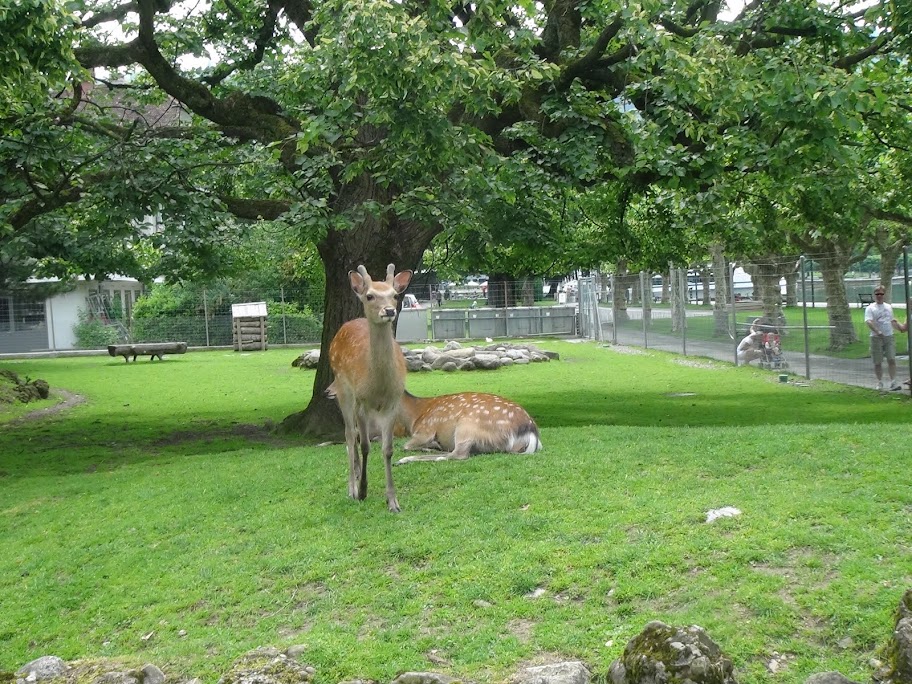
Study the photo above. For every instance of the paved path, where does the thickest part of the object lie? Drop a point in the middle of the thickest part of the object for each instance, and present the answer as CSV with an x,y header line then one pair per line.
x,y
859,372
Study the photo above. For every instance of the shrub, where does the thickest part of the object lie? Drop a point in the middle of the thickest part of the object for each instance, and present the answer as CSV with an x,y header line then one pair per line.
x,y
92,333
300,323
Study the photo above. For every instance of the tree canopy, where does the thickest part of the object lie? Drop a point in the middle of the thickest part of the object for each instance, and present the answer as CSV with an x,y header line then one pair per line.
x,y
158,130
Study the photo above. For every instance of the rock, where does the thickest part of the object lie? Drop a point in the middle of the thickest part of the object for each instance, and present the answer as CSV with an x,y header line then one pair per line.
x,y
267,666
308,359
116,677
829,678
899,651
424,678
152,675
13,388
905,606
487,361
296,651
46,667
898,666
661,654
571,672
453,356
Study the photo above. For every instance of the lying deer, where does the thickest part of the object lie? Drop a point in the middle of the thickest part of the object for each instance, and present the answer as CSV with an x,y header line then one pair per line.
x,y
369,372
466,423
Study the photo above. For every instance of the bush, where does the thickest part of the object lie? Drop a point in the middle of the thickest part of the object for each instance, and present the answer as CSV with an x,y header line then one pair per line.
x,y
92,333
300,324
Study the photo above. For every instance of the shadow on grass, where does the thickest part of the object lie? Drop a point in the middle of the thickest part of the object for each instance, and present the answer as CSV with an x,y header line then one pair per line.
x,y
783,405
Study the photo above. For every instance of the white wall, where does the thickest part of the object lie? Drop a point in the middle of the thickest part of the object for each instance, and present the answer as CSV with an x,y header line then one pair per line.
x,y
62,313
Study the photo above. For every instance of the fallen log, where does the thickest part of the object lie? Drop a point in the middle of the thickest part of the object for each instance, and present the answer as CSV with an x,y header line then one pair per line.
x,y
150,349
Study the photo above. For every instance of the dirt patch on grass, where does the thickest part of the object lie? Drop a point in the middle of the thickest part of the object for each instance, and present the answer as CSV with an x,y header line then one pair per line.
x,y
522,629
68,400
694,363
624,349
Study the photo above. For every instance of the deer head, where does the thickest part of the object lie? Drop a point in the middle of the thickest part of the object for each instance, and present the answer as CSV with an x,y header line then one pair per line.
x,y
379,298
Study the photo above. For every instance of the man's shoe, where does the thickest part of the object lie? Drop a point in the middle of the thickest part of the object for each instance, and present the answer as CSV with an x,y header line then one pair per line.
x,y
895,386
879,387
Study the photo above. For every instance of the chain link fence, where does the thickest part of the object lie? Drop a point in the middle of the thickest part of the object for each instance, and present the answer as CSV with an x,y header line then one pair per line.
x,y
810,314
804,316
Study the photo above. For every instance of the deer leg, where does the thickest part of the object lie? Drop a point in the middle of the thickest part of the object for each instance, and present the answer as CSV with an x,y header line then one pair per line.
x,y
426,441
354,465
387,436
350,419
462,451
422,440
364,436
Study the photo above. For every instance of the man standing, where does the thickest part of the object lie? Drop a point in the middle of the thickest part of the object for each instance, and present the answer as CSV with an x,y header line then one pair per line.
x,y
879,318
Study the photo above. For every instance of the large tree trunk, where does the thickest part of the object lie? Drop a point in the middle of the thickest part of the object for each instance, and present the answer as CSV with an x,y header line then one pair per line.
x,y
678,297
500,290
842,331
721,317
889,255
375,243
705,274
622,280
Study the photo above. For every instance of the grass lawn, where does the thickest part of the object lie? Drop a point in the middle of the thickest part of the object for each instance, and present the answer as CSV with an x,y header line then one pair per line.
x,y
157,522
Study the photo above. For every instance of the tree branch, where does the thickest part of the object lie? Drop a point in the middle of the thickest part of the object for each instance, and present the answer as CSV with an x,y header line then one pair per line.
x,y
113,14
590,59
880,44
253,209
264,37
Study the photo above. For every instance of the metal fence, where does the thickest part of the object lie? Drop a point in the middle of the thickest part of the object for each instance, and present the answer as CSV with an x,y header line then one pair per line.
x,y
107,313
814,330
815,311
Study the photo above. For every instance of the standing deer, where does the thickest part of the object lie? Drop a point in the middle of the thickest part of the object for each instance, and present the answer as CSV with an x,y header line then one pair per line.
x,y
369,371
466,423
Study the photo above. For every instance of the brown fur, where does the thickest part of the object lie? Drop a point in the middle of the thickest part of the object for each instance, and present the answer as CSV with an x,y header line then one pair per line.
x,y
369,372
466,423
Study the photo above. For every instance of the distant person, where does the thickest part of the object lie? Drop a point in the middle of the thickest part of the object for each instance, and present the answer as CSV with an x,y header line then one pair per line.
x,y
439,298
750,348
879,318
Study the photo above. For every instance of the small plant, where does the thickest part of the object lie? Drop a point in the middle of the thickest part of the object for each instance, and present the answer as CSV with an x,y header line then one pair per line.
x,y
93,333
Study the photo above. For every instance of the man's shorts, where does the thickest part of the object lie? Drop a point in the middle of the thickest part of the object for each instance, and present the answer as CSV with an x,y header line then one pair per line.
x,y
882,347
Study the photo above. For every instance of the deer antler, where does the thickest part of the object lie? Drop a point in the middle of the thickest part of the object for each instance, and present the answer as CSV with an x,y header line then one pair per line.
x,y
364,273
390,272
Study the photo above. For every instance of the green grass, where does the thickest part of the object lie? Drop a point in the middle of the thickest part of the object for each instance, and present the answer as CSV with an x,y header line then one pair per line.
x,y
702,328
152,523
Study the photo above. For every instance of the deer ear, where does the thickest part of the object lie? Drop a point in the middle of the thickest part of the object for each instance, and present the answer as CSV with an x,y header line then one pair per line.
x,y
358,282
402,280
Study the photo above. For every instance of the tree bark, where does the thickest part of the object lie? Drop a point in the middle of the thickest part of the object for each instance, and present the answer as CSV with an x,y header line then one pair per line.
x,y
721,315
375,243
622,280
842,332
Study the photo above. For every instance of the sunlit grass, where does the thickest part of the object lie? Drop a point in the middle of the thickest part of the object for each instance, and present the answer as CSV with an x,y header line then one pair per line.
x,y
154,522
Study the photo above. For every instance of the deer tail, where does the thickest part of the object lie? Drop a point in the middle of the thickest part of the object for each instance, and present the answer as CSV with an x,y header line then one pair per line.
x,y
526,439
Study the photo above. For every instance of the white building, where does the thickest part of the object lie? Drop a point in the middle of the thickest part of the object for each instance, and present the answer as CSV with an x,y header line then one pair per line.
x,y
30,322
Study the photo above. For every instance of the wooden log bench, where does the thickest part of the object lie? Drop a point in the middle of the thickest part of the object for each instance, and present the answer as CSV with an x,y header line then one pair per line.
x,y
150,349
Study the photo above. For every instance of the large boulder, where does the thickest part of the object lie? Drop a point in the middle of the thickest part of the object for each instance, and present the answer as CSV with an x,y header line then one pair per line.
x,y
661,654
45,667
570,672
268,666
898,666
